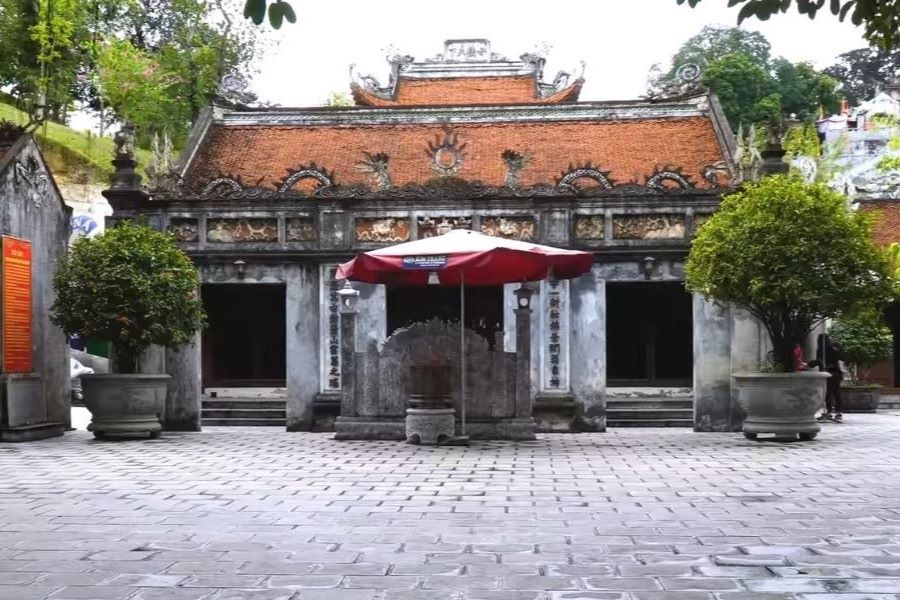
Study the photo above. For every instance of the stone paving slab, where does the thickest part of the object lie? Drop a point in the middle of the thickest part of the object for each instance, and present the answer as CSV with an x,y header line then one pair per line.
x,y
632,514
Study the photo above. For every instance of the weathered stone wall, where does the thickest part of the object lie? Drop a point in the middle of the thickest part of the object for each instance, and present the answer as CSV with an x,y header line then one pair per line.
x,y
32,209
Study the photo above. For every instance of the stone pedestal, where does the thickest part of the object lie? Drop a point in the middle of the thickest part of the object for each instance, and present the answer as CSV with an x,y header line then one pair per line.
x,y
429,426
713,410
23,414
183,398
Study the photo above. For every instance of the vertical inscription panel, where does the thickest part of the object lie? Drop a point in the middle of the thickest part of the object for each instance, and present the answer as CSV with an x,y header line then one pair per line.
x,y
16,305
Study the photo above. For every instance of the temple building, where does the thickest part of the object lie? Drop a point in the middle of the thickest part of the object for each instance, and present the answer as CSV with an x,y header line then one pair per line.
x,y
268,201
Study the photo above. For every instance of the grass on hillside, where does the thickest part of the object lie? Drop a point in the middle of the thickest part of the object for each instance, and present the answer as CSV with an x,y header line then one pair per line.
x,y
73,155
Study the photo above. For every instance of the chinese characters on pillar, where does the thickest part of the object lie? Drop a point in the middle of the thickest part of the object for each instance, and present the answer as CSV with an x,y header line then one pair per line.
x,y
555,320
330,326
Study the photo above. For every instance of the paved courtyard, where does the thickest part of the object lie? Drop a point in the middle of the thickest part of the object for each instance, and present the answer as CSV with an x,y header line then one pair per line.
x,y
634,514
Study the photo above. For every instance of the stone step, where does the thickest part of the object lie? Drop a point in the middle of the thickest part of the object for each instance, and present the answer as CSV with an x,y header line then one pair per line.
x,y
650,423
637,414
243,422
247,403
655,403
245,413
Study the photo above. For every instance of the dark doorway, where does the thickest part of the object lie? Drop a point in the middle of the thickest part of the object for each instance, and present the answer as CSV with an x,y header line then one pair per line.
x,y
892,317
484,308
244,342
649,334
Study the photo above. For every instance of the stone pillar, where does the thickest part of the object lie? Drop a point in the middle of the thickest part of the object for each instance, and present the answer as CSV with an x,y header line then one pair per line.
x,y
523,352
372,316
349,299
712,366
183,398
587,296
301,344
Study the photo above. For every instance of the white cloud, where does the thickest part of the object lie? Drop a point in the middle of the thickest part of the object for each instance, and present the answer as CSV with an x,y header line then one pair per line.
x,y
619,40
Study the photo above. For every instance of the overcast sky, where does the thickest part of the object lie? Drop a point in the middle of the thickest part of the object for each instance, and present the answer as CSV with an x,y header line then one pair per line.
x,y
618,39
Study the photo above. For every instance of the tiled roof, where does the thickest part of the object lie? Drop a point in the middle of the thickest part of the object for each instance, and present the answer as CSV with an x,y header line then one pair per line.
x,y
886,220
628,149
461,91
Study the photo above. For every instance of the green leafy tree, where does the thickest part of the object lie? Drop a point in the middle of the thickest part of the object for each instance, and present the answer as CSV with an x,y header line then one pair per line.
x,y
863,340
805,91
130,285
802,140
338,99
879,18
791,254
747,91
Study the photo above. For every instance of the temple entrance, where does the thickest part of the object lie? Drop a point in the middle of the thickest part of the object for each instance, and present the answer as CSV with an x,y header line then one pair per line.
x,y
244,343
649,335
892,318
484,308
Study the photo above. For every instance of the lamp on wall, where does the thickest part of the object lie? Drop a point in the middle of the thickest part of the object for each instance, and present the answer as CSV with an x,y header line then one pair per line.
x,y
523,296
649,264
349,298
241,268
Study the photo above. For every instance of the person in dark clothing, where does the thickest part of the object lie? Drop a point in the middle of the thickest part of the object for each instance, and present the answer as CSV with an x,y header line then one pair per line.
x,y
827,359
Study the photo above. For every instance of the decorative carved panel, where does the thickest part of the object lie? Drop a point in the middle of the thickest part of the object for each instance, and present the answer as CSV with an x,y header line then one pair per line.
x,y
515,228
432,226
185,230
242,230
648,227
590,227
700,219
386,230
300,229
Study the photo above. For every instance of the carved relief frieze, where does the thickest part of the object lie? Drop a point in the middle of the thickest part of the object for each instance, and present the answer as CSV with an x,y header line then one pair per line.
x,y
669,178
590,227
574,178
515,162
321,176
228,231
185,230
300,229
30,172
648,227
515,228
383,230
431,226
377,166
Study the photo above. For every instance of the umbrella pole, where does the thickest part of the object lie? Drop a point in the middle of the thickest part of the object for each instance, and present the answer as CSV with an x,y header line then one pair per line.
x,y
462,352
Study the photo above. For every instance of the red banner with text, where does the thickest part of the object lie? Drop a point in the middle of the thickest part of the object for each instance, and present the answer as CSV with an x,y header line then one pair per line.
x,y
16,305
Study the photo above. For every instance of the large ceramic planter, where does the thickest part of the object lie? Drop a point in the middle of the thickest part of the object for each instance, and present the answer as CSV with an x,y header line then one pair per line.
x,y
860,398
783,404
125,406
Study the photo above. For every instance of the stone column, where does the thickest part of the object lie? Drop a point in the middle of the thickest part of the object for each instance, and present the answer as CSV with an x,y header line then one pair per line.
x,y
183,399
349,309
712,366
302,346
749,346
587,296
372,316
523,353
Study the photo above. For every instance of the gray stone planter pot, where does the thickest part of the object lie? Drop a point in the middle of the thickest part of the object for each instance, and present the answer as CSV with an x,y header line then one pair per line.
x,y
125,406
860,398
784,404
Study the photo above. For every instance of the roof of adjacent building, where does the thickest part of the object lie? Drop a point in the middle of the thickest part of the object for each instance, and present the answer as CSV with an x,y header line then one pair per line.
x,y
886,219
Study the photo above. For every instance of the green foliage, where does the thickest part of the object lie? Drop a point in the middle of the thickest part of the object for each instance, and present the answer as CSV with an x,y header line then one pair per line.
x,y
889,163
713,42
791,254
130,285
804,91
879,18
339,99
747,91
863,340
279,11
802,140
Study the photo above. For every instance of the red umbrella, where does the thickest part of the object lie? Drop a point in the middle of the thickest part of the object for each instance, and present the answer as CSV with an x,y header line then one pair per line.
x,y
463,257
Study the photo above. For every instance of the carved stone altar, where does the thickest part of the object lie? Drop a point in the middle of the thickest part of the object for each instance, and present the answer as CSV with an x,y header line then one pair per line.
x,y
375,385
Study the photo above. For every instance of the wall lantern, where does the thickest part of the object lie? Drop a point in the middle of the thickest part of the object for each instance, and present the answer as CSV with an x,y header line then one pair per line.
x,y
241,268
349,298
649,264
523,296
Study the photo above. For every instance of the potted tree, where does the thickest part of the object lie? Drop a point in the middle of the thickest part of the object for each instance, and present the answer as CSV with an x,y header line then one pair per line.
x,y
791,254
132,286
863,340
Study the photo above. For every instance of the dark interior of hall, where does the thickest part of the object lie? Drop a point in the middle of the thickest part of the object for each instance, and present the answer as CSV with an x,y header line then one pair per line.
x,y
244,342
649,334
484,308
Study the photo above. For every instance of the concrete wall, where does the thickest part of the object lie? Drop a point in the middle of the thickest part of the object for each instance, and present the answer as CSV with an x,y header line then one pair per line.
x,y
31,208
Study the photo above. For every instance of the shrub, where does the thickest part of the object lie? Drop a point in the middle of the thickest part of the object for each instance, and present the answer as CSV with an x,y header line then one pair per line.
x,y
791,254
863,340
132,286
